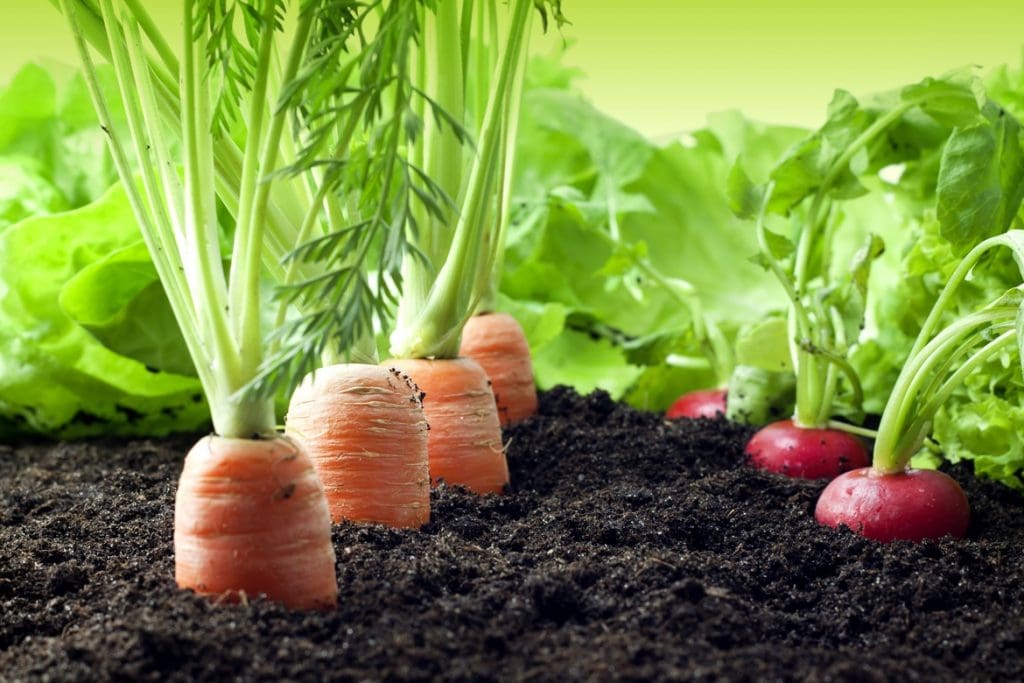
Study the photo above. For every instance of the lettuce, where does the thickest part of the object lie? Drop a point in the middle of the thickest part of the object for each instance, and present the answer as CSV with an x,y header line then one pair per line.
x,y
56,377
49,131
84,349
592,199
25,191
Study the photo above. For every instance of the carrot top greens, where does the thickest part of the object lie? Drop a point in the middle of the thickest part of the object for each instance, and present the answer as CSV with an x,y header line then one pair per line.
x,y
471,63
250,76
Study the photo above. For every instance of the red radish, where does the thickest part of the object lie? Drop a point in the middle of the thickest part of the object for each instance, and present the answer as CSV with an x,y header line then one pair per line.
x,y
889,501
911,506
706,403
804,453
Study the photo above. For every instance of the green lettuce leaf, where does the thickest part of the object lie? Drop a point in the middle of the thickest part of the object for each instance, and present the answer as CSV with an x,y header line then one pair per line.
x,y
55,377
598,209
118,298
48,126
25,192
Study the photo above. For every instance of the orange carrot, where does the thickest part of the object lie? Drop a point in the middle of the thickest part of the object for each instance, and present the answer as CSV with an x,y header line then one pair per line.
x,y
496,341
366,433
464,442
250,518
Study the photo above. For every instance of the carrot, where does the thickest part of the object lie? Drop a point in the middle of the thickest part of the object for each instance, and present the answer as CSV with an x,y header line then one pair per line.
x,y
464,442
496,341
250,518
366,433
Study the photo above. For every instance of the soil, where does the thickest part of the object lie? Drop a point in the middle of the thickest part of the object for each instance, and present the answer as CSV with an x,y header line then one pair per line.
x,y
629,548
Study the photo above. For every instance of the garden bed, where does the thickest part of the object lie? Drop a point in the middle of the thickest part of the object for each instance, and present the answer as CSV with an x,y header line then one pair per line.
x,y
629,548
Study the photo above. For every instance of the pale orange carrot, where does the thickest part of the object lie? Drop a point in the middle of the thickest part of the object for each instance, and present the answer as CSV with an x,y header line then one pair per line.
x,y
464,441
250,518
496,341
366,433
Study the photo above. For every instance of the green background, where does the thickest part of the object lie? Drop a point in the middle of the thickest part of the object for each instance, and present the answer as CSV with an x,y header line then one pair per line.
x,y
663,65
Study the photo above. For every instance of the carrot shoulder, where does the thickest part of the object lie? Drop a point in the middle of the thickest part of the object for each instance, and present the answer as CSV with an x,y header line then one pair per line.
x,y
496,341
464,442
366,433
250,518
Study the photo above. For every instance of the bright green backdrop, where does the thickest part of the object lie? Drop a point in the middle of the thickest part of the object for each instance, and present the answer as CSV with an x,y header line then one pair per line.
x,y
662,65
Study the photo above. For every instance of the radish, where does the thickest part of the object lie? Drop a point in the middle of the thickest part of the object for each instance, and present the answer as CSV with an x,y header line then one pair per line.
x,y
912,505
706,403
827,299
824,315
789,449
811,445
889,501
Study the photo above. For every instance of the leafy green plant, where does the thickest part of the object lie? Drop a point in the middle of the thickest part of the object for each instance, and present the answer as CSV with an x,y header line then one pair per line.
x,y
57,378
617,245
231,82
459,243
889,500
951,142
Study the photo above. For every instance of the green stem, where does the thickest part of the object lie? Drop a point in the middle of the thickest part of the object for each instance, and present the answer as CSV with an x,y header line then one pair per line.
x,y
837,167
720,350
851,429
443,149
434,329
249,236
179,225
916,371
203,266
491,274
438,151
842,365
805,365
149,27
837,363
916,432
246,234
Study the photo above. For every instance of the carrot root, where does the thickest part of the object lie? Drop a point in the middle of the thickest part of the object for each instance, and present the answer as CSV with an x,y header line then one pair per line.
x,y
250,518
464,442
496,341
366,433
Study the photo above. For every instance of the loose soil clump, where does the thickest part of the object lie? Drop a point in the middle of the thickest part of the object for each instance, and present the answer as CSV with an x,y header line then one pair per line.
x,y
629,548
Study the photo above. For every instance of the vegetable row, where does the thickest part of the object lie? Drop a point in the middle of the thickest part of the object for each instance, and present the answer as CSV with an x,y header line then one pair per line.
x,y
319,184
359,154
945,135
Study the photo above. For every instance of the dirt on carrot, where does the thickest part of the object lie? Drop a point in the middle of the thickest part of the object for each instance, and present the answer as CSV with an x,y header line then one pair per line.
x,y
464,441
628,547
366,432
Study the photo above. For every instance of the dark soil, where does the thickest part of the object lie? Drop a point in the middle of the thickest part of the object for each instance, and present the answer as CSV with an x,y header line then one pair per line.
x,y
628,549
